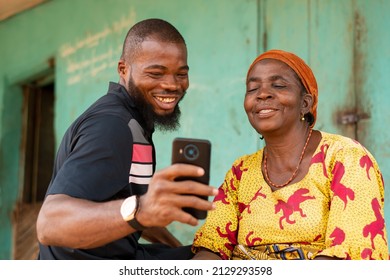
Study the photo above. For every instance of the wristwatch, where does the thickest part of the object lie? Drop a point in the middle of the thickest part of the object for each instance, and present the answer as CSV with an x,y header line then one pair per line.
x,y
129,209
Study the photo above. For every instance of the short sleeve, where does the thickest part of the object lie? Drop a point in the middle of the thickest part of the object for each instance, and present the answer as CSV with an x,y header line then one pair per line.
x,y
356,225
97,167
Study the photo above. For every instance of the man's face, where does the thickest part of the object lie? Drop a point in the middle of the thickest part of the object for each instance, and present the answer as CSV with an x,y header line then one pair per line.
x,y
166,122
158,78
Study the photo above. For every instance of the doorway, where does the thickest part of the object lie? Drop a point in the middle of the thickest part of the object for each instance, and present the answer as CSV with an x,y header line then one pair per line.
x,y
37,159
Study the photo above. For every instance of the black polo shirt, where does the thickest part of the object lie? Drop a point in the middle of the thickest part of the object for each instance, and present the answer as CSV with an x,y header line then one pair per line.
x,y
105,155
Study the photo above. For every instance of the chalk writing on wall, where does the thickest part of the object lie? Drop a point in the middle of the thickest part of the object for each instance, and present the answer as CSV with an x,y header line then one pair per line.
x,y
89,56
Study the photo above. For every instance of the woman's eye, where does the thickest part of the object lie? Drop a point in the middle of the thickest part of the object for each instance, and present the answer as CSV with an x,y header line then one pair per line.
x,y
278,86
250,90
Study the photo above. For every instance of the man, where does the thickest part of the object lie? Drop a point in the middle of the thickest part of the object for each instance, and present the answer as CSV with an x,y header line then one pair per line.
x,y
104,192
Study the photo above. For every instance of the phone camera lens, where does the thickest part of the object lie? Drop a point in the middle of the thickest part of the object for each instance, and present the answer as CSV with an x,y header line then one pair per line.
x,y
191,152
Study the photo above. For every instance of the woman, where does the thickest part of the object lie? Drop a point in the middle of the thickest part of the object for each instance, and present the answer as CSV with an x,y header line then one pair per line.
x,y
307,194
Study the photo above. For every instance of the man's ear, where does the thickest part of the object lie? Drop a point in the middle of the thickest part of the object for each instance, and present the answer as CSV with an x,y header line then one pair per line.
x,y
122,68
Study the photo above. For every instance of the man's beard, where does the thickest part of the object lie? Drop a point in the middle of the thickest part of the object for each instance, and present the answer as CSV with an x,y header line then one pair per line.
x,y
169,122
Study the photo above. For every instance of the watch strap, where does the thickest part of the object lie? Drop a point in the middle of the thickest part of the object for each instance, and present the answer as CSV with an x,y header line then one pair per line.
x,y
136,225
134,222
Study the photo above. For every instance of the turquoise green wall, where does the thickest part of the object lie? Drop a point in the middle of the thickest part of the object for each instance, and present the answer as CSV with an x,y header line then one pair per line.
x,y
223,37
346,44
372,85
85,39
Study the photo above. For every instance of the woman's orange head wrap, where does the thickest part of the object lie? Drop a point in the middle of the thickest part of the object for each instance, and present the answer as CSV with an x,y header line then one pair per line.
x,y
301,69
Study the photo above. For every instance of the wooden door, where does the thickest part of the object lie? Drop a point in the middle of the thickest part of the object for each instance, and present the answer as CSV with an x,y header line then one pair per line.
x,y
37,151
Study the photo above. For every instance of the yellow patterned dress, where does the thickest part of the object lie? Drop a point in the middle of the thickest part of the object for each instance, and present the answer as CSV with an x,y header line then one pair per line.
x,y
336,210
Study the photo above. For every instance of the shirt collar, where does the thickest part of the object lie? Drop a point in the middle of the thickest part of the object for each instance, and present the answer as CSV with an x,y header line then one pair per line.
x,y
120,91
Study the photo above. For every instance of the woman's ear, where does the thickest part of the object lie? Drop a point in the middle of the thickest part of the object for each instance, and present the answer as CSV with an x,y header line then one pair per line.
x,y
307,103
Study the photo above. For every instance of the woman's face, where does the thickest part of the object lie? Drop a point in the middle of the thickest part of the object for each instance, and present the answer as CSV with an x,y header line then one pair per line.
x,y
274,98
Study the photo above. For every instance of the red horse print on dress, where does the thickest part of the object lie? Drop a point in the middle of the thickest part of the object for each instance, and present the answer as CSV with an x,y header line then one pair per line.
x,y
221,196
365,161
292,205
237,170
338,236
232,186
243,206
337,187
223,254
253,241
320,158
231,235
197,236
376,227
367,254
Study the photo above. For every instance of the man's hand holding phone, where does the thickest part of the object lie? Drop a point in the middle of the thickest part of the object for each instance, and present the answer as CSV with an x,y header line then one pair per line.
x,y
180,192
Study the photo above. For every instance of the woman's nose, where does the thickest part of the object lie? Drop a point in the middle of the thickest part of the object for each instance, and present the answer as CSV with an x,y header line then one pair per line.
x,y
264,92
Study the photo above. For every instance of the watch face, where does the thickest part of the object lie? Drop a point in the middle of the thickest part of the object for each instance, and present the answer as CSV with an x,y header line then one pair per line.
x,y
128,208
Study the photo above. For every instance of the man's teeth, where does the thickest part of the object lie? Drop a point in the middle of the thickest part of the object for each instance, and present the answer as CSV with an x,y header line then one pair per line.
x,y
166,99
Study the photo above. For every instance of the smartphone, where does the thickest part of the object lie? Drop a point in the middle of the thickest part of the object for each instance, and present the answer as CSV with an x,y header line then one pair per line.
x,y
196,152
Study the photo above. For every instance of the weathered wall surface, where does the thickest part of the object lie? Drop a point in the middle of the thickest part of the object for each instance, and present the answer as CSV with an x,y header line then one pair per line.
x,y
345,42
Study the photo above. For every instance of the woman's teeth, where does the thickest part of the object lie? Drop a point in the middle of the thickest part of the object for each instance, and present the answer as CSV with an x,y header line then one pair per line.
x,y
266,111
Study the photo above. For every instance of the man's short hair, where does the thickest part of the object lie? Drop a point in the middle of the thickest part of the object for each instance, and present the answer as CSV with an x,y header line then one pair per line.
x,y
154,28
